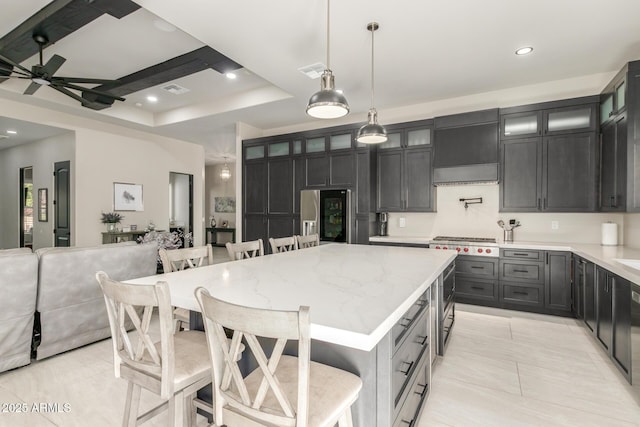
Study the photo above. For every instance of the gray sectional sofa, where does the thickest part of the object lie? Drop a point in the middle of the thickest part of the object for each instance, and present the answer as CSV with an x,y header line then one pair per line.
x,y
18,285
69,300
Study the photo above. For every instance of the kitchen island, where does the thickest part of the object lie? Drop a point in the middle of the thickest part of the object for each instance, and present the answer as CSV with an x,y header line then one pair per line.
x,y
369,308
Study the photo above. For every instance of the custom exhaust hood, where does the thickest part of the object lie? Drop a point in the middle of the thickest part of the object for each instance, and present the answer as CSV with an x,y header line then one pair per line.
x,y
466,148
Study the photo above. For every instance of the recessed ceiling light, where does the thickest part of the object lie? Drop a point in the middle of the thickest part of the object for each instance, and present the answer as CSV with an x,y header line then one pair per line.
x,y
524,50
152,98
231,76
12,132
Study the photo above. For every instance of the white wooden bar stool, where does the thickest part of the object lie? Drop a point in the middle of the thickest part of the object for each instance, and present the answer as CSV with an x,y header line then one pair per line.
x,y
283,244
282,390
174,368
308,241
238,251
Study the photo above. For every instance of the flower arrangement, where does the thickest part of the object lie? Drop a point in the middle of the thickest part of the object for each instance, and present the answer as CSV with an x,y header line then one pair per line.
x,y
111,218
166,240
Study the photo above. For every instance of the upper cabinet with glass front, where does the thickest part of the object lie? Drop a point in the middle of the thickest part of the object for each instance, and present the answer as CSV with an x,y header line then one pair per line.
x,y
613,100
548,119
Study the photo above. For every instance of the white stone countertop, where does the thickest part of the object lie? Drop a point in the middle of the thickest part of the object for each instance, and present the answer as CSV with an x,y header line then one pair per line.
x,y
407,240
356,293
604,256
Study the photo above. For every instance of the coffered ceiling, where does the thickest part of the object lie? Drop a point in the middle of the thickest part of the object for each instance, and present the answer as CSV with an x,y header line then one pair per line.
x,y
425,51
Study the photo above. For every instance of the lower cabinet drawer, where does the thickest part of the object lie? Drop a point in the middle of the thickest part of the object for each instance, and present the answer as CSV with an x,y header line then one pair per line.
x,y
410,411
485,268
478,289
522,254
408,357
400,329
522,294
519,271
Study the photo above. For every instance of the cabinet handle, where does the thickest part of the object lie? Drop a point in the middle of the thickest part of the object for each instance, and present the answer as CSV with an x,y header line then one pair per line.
x,y
520,254
409,423
520,271
613,202
520,293
478,288
425,387
538,203
546,257
544,203
424,340
405,319
476,267
408,369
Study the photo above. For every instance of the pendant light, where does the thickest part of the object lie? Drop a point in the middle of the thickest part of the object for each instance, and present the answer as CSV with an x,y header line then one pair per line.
x,y
327,103
372,132
225,172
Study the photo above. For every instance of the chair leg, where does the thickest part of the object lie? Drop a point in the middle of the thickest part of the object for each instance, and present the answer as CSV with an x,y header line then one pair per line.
x,y
177,409
346,420
130,418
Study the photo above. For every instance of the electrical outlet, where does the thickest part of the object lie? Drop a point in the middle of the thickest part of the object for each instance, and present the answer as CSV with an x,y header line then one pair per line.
x,y
402,222
555,225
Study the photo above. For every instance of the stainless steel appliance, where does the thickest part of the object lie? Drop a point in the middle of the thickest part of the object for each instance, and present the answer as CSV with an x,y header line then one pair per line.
x,y
635,341
327,213
383,222
446,307
477,246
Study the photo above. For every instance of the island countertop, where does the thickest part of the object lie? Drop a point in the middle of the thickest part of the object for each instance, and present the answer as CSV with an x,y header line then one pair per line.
x,y
356,293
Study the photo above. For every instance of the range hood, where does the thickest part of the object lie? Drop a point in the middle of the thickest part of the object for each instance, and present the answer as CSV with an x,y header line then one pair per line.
x,y
466,148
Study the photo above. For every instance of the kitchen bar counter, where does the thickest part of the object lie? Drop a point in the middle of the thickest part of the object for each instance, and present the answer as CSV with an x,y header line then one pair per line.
x,y
357,295
356,292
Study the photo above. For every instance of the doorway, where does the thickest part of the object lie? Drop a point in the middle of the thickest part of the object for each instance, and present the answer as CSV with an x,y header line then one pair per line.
x,y
181,204
26,207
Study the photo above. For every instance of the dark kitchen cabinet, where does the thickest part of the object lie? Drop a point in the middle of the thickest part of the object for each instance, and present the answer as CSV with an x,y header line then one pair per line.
x,y
613,153
341,170
521,183
558,281
329,161
590,309
570,173
614,318
404,171
316,169
604,326
552,174
298,182
280,177
477,280
555,169
254,183
577,288
621,345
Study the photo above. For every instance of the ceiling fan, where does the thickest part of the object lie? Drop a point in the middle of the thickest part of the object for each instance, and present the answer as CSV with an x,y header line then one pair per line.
x,y
43,75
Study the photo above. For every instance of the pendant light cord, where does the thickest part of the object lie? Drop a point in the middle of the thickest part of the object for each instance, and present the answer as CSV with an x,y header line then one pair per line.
x,y
328,32
372,87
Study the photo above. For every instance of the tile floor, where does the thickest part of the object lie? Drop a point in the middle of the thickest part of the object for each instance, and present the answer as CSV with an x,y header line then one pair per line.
x,y
502,368
508,368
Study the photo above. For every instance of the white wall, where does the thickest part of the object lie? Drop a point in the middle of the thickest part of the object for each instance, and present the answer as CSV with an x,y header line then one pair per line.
x,y
41,155
216,187
480,220
108,153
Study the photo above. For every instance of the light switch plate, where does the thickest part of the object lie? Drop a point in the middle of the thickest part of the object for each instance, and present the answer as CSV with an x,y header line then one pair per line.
x,y
555,225
402,222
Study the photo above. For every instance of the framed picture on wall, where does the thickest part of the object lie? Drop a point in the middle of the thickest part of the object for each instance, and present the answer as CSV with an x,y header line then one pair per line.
x,y
225,204
43,205
127,197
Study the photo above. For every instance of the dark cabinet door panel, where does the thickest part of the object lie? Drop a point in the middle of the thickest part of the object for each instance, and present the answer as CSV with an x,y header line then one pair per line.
x,y
361,232
255,194
317,170
558,281
298,182
341,170
604,328
418,179
363,182
280,186
569,182
255,227
608,167
279,226
590,311
390,196
521,175
621,346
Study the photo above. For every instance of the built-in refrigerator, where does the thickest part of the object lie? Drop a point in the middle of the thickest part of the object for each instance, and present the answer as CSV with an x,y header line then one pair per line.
x,y
326,212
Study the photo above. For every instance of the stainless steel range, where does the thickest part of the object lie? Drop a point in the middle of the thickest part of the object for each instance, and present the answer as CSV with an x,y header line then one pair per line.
x,y
477,246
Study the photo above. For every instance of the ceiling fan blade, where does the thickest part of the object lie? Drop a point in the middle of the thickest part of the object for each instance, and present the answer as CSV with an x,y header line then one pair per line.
x,y
32,88
83,80
68,93
53,64
84,89
15,64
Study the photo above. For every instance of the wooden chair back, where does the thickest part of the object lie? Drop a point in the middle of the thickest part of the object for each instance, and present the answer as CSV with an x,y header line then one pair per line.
x,y
283,244
249,324
308,241
134,304
238,251
179,259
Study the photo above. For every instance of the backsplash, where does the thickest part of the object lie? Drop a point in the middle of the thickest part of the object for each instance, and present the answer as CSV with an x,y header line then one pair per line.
x,y
480,220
